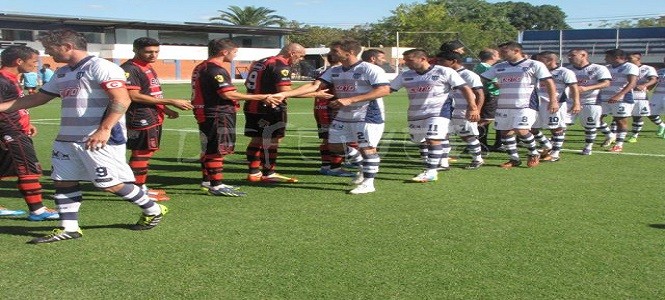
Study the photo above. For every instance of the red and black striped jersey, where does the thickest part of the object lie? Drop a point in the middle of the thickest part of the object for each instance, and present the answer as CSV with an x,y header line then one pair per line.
x,y
264,77
209,81
9,90
141,76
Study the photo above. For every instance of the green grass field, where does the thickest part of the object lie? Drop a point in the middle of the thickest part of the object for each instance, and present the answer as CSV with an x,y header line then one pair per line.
x,y
582,228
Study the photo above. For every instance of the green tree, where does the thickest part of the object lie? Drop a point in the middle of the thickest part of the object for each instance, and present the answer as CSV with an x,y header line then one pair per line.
x,y
634,23
525,16
249,16
315,36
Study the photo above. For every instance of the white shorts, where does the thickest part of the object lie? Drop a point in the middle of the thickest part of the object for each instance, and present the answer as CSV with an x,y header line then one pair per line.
x,y
365,134
657,104
105,167
509,119
463,127
641,108
434,128
590,114
618,110
546,120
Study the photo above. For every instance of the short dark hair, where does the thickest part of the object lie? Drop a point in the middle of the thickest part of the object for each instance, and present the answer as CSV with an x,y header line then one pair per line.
x,y
511,45
449,55
218,45
143,42
348,45
369,53
451,45
416,52
486,54
12,53
62,36
638,54
46,65
548,54
616,53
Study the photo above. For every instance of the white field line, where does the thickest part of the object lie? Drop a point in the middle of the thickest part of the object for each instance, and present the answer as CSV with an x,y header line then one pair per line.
x,y
401,142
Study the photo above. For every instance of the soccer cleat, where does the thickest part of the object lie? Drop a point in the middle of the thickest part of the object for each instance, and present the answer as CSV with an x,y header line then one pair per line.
x,y
475,165
534,160
225,191
362,189
616,148
205,185
550,158
632,139
4,212
56,236
442,168
358,178
148,222
426,177
48,214
510,164
608,141
586,151
660,132
338,172
254,177
276,177
545,153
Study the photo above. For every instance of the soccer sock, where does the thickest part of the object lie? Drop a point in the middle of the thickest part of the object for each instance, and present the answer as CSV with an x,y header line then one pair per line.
x,y
269,166
370,167
139,162
605,129
68,201
423,149
473,144
589,137
204,173
638,124
511,147
31,190
621,137
542,140
353,156
530,142
254,158
434,154
557,142
657,120
482,135
324,151
445,143
134,194
214,166
613,127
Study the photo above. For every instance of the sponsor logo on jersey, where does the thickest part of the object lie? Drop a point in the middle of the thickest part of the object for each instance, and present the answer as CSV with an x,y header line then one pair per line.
x,y
79,75
435,77
420,89
70,92
59,155
408,78
284,72
8,138
511,79
345,88
220,78
356,75
126,74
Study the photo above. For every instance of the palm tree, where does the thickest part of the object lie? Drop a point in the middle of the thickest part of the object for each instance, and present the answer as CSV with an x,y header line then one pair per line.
x,y
249,16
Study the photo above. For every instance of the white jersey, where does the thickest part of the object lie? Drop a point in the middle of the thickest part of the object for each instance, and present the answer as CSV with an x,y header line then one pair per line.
x,y
84,99
589,75
518,82
428,92
563,78
460,105
620,75
360,78
646,73
660,85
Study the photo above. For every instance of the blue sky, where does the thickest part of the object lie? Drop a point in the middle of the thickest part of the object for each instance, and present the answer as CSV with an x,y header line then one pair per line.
x,y
335,13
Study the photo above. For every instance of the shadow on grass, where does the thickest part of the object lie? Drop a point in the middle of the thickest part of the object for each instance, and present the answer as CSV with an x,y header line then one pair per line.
x,y
657,226
37,231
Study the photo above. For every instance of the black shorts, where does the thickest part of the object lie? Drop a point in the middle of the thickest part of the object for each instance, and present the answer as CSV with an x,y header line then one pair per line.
x,y
218,135
323,130
144,139
488,111
271,125
17,155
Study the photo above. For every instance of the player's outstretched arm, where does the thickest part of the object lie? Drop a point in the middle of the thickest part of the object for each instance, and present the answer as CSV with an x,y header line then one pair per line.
x,y
26,102
137,97
377,92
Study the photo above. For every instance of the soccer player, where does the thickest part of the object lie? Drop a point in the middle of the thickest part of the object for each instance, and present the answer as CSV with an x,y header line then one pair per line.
x,y
359,87
566,88
266,124
591,79
145,115
517,78
617,100
657,102
215,101
645,81
467,101
91,143
17,153
488,57
374,56
453,46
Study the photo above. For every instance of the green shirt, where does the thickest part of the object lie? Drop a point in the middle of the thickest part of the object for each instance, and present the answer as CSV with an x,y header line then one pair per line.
x,y
490,86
